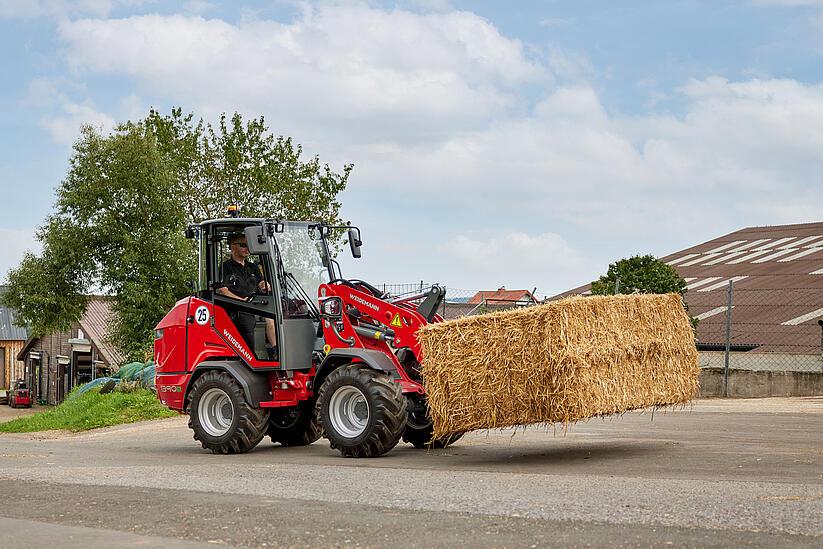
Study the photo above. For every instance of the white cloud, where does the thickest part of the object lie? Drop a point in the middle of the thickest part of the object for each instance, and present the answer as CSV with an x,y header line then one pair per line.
x,y
371,74
438,110
64,128
61,116
13,244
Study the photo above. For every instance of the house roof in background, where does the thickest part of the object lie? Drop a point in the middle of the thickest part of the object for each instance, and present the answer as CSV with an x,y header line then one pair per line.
x,y
778,286
501,294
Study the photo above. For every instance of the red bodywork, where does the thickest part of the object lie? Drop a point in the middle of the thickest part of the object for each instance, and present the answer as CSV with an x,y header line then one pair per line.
x,y
185,344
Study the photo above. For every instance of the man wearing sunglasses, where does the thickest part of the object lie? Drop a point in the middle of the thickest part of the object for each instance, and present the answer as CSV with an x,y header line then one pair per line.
x,y
242,278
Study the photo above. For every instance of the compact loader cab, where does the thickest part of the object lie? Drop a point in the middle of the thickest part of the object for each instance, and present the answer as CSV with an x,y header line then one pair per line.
x,y
274,341
277,320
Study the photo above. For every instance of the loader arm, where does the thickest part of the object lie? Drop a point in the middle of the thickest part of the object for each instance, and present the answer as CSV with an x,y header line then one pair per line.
x,y
371,323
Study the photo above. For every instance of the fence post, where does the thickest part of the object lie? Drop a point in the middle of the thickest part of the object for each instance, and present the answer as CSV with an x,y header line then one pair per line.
x,y
728,339
444,303
820,323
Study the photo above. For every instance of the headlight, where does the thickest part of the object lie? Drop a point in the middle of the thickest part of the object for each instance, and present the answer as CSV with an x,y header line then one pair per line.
x,y
332,307
158,334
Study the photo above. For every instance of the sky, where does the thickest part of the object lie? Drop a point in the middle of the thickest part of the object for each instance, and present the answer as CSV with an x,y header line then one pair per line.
x,y
519,144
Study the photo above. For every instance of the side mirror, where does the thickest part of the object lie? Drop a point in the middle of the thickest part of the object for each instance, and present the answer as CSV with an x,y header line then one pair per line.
x,y
190,232
257,240
354,241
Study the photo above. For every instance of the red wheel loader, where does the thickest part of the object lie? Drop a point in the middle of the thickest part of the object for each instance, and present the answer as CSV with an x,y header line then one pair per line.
x,y
346,361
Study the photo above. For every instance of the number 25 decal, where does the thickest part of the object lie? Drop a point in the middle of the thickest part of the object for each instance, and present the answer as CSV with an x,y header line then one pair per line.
x,y
201,316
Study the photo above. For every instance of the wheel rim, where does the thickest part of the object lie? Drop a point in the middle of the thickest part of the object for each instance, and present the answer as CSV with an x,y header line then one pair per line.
x,y
349,411
418,417
216,412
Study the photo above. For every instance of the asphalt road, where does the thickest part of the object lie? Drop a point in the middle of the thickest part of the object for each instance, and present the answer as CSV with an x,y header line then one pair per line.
x,y
718,473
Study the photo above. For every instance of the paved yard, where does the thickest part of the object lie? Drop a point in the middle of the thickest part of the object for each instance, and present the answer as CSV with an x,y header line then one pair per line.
x,y
717,473
7,413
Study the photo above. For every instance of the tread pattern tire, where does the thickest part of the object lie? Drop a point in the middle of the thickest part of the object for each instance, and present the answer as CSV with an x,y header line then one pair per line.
x,y
248,425
422,438
387,411
301,430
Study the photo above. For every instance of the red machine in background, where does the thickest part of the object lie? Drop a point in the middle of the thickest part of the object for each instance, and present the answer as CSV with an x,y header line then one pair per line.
x,y
347,360
20,395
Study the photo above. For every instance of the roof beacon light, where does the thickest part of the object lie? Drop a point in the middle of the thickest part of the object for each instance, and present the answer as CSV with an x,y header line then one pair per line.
x,y
233,210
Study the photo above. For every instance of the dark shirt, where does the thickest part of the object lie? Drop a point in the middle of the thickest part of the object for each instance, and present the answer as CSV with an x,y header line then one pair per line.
x,y
241,280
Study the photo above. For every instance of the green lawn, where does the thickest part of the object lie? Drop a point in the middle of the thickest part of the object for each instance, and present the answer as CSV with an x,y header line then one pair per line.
x,y
92,410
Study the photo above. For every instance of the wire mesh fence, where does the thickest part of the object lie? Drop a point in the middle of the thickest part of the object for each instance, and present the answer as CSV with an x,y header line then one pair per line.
x,y
459,301
757,328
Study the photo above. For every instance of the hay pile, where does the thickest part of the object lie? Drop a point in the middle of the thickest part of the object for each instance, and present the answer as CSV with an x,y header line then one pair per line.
x,y
560,362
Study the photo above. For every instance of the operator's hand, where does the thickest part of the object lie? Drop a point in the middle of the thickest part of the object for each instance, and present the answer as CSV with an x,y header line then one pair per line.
x,y
264,287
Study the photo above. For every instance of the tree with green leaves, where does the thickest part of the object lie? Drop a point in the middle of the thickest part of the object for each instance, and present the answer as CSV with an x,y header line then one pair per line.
x,y
639,274
118,221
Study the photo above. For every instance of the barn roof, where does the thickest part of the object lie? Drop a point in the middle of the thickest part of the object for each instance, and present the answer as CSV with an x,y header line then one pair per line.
x,y
8,329
778,286
96,323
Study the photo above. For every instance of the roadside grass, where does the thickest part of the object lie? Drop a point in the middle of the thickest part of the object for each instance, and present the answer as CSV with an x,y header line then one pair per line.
x,y
91,410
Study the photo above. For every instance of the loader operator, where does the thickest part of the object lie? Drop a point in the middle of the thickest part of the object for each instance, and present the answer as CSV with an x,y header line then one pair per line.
x,y
242,278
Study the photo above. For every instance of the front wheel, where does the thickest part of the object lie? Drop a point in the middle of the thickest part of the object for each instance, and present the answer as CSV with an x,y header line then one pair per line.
x,y
362,412
221,418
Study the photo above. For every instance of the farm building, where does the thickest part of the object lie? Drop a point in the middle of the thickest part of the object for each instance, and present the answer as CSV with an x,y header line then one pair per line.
x,y
12,339
55,363
502,295
777,297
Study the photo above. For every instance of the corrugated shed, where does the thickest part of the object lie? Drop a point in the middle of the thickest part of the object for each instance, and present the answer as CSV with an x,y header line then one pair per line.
x,y
96,324
778,286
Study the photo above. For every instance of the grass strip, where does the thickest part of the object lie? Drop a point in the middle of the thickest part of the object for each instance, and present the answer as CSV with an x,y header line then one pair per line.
x,y
92,410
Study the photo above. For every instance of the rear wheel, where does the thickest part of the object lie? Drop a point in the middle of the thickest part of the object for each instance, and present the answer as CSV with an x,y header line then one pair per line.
x,y
297,426
362,412
419,428
221,418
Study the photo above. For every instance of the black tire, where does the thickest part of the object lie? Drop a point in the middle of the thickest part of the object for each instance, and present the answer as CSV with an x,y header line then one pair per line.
x,y
248,424
419,428
297,426
385,413
422,438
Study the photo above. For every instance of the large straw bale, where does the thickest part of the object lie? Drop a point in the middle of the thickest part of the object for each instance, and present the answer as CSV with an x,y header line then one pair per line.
x,y
563,361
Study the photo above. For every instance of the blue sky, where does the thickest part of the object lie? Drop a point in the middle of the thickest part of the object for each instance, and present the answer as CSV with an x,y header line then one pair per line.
x,y
495,143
